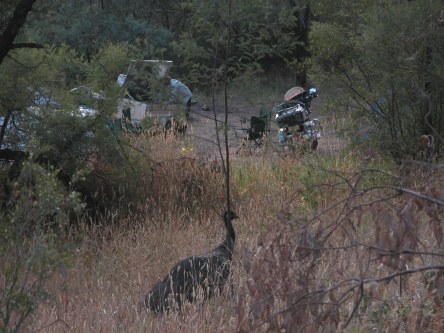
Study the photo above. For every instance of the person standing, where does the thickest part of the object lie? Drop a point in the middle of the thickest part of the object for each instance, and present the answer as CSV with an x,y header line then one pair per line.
x,y
179,93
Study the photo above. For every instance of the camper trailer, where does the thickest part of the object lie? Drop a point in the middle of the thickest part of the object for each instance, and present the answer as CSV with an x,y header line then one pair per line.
x,y
147,102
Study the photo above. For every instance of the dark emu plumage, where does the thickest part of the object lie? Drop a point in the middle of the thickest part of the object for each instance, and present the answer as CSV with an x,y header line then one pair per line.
x,y
194,277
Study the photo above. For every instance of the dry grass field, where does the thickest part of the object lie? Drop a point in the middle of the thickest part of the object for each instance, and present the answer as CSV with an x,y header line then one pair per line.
x,y
318,238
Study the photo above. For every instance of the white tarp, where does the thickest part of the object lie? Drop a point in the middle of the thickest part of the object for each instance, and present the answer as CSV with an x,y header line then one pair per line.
x,y
138,110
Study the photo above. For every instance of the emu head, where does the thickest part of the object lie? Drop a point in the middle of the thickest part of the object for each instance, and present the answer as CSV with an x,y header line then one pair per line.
x,y
229,216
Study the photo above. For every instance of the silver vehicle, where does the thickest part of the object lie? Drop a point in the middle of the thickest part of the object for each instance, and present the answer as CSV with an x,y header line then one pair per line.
x,y
293,117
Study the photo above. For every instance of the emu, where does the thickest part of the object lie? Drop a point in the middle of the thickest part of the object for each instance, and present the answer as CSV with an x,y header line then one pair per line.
x,y
426,145
195,276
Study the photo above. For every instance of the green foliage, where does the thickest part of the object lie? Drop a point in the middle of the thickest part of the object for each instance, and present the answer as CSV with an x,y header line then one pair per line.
x,y
192,33
111,60
38,196
388,58
332,48
88,27
30,72
258,31
31,79
31,241
47,121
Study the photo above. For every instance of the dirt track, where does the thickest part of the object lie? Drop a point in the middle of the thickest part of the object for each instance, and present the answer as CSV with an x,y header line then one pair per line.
x,y
201,131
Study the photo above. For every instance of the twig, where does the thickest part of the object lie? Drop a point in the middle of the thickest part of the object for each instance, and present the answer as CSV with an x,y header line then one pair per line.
x,y
53,323
413,193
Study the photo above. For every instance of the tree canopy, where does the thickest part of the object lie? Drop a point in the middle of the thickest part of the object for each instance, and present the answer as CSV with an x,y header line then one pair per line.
x,y
388,58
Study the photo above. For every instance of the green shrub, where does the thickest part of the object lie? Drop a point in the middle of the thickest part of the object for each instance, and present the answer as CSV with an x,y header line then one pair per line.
x,y
32,242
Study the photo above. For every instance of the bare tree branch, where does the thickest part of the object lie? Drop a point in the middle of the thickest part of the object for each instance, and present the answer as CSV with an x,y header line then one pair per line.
x,y
16,22
27,45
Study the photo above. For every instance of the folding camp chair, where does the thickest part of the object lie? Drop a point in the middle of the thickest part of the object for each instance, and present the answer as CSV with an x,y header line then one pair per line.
x,y
266,116
252,136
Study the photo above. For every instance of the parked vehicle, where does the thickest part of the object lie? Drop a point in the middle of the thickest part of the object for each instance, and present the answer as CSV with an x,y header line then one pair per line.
x,y
293,117
147,104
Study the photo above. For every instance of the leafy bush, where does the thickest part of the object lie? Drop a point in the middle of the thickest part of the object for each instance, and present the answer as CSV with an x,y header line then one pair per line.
x,y
388,60
32,245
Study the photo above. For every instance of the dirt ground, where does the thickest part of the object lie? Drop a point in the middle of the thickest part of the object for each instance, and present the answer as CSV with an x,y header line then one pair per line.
x,y
201,129
201,132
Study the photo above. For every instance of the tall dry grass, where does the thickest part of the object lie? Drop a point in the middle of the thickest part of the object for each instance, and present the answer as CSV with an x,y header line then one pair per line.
x,y
303,250
102,290
118,262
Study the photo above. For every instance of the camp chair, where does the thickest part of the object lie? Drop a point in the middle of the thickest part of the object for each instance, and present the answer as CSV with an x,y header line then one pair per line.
x,y
252,136
266,116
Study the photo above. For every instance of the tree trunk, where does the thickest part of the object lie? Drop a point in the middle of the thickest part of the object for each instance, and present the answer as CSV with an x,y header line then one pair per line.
x,y
16,22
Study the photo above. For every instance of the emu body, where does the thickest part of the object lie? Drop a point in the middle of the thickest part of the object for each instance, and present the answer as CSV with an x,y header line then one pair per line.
x,y
426,145
194,277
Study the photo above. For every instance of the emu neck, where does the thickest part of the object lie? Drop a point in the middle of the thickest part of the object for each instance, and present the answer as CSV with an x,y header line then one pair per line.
x,y
231,236
230,229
